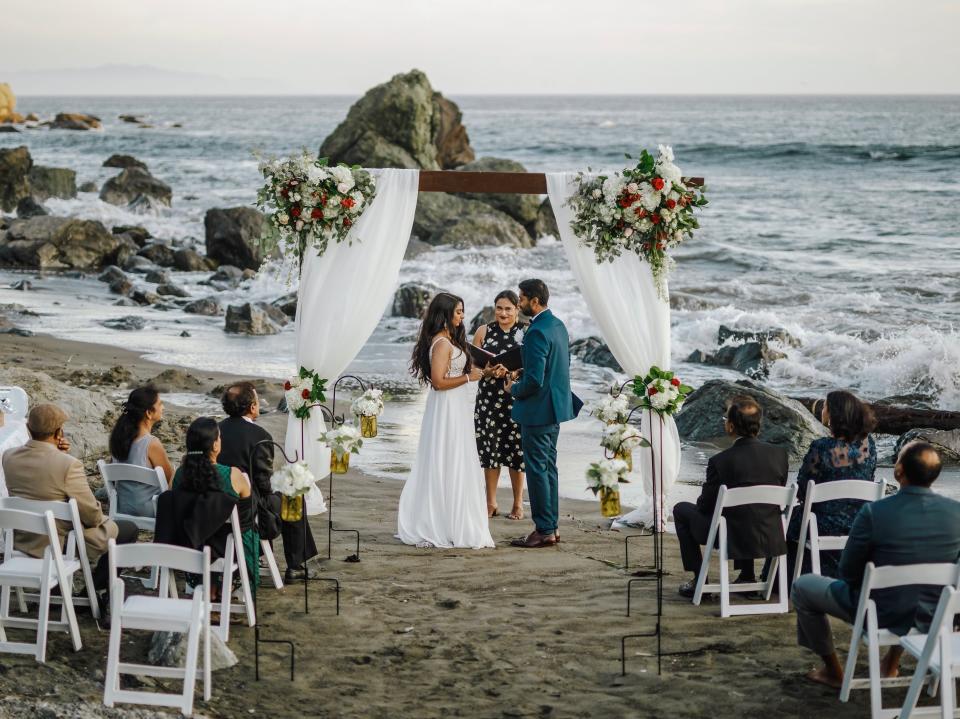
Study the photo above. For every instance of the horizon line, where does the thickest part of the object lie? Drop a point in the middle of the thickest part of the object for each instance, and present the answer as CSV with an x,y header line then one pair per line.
x,y
512,94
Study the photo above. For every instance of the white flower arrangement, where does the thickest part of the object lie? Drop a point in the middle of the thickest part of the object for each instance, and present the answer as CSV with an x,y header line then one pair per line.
x,y
368,404
661,391
302,391
518,337
293,480
606,474
345,439
622,438
612,409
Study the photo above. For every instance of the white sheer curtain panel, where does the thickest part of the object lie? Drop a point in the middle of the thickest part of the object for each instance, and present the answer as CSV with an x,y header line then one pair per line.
x,y
635,323
343,295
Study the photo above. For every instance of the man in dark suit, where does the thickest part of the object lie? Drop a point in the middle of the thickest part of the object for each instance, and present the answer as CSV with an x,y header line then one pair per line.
x,y
542,400
240,436
913,526
752,530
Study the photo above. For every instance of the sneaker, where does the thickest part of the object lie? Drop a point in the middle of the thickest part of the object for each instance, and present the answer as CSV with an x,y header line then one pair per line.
x,y
688,589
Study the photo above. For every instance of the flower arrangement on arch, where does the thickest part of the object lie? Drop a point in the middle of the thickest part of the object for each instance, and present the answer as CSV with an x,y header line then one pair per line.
x,y
646,209
368,404
606,474
343,440
611,409
661,391
303,390
309,203
292,480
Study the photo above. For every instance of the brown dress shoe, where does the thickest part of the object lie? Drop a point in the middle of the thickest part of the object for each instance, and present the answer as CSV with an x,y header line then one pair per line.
x,y
534,540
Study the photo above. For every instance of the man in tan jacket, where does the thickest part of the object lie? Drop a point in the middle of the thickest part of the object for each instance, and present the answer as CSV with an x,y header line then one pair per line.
x,y
41,469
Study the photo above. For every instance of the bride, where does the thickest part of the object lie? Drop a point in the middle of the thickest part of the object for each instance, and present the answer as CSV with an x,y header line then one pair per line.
x,y
443,502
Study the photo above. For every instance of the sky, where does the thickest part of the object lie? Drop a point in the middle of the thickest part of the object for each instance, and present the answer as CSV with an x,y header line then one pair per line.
x,y
484,46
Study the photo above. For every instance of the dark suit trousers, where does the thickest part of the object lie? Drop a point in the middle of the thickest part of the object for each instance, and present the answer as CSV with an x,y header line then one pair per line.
x,y
127,533
539,444
298,544
693,526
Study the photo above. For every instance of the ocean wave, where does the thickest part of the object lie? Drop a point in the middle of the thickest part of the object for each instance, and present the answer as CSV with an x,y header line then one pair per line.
x,y
802,150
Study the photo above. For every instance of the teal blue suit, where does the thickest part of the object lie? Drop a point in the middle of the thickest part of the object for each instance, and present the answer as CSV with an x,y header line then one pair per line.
x,y
542,400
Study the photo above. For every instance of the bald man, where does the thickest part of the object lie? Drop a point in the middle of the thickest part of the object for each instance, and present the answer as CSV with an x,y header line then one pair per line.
x,y
914,526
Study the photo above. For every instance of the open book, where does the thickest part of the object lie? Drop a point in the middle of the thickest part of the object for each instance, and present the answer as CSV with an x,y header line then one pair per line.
x,y
512,359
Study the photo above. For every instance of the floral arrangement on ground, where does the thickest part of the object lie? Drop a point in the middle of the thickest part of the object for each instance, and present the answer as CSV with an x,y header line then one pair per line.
x,y
309,203
622,438
646,209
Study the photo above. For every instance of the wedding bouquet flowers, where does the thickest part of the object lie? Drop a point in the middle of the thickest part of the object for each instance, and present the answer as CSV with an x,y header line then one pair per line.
x,y
611,409
661,391
368,404
342,441
303,390
646,209
293,480
309,203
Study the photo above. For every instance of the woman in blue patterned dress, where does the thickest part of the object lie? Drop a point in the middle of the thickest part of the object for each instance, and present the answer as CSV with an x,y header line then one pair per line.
x,y
850,453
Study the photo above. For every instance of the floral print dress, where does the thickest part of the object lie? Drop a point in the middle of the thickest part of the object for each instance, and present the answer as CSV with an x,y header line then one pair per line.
x,y
498,436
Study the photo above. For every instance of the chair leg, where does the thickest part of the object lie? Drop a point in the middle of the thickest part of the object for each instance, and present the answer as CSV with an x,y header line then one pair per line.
x,y
207,638
873,654
724,574
111,682
267,551
226,591
190,665
851,664
43,619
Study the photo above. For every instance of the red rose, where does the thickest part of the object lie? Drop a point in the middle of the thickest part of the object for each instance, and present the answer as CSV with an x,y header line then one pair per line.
x,y
651,391
316,213
640,212
305,394
347,222
284,192
654,218
323,199
657,183
671,204
287,386
347,202
646,245
295,211
625,201
675,382
660,246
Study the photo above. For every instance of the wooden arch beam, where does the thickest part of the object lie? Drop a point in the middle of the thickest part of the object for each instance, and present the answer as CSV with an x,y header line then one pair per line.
x,y
517,183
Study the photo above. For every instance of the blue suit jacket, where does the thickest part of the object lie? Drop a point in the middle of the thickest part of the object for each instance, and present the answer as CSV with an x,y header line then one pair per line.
x,y
542,395
913,526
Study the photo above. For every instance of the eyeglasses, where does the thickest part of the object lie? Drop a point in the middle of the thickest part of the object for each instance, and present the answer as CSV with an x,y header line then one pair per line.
x,y
724,418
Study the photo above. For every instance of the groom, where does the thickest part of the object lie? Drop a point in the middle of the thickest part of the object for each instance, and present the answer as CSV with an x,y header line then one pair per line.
x,y
542,400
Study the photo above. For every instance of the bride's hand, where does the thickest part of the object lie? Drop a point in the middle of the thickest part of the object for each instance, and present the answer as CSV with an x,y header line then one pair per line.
x,y
475,374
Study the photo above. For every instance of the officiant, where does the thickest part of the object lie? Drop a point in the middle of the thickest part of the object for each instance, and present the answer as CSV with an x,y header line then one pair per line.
x,y
498,436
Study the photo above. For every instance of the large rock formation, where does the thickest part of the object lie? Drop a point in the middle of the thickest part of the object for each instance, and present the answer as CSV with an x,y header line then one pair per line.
x,y
746,351
786,422
523,208
47,182
401,123
57,243
257,318
15,165
947,442
75,121
231,235
447,219
8,103
594,350
411,299
132,184
124,161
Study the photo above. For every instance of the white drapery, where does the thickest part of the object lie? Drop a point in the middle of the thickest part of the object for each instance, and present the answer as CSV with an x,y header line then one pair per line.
x,y
635,323
343,295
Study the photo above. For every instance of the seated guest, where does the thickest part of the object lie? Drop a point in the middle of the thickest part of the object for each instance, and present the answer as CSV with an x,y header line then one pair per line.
x,y
914,526
850,453
200,474
132,443
753,531
240,436
42,470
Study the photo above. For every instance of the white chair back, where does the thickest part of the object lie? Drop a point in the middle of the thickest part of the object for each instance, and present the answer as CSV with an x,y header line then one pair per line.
x,y
114,473
938,657
17,400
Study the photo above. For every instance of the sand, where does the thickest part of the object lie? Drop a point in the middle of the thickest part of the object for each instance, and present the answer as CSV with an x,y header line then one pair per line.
x,y
429,633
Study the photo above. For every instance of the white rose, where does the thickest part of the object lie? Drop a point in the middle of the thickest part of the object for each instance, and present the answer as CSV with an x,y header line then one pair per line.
x,y
632,188
644,225
659,400
678,237
627,232
649,198
666,215
343,188
299,225
283,218
596,194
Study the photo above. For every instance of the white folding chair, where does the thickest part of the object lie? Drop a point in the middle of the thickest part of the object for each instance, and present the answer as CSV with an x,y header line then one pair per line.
x,y
809,538
162,613
867,631
234,560
937,653
783,497
76,551
17,399
271,570
43,574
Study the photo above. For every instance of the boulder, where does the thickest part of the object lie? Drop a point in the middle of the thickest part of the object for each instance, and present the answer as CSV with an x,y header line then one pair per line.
x,y
415,248
57,243
8,103
207,306
121,286
158,253
15,164
411,299
158,276
231,235
29,207
287,304
786,422
523,208
144,205
400,123
75,121
130,118
188,260
133,183
254,319
169,649
228,274
138,264
491,228
31,117
8,128
145,297
128,323
777,334
126,248
546,222
594,350
174,380
483,317
751,358
88,186
946,441
47,182
138,234
171,290
111,274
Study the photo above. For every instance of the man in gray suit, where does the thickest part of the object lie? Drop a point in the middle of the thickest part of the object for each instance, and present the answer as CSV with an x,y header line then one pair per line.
x,y
914,526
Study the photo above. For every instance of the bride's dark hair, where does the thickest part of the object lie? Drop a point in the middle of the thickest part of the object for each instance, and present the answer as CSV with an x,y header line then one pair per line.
x,y
437,318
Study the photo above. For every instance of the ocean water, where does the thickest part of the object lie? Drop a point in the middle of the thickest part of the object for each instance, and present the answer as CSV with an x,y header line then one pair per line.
x,y
835,218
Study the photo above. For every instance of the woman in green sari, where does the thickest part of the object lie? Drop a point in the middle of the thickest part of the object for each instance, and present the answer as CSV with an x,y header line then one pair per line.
x,y
200,473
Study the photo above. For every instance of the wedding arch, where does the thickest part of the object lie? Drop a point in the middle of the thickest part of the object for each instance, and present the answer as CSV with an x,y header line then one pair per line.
x,y
343,293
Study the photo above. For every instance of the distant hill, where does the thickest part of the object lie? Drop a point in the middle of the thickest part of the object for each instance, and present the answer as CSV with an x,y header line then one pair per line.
x,y
132,80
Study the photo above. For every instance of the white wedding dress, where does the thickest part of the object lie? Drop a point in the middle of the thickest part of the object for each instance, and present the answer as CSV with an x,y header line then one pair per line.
x,y
443,503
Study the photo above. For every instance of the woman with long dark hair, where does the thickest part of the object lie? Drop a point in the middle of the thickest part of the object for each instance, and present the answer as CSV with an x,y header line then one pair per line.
x,y
442,503
200,473
498,436
131,442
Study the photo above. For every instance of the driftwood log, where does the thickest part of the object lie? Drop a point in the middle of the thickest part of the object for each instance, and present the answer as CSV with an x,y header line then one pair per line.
x,y
898,420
